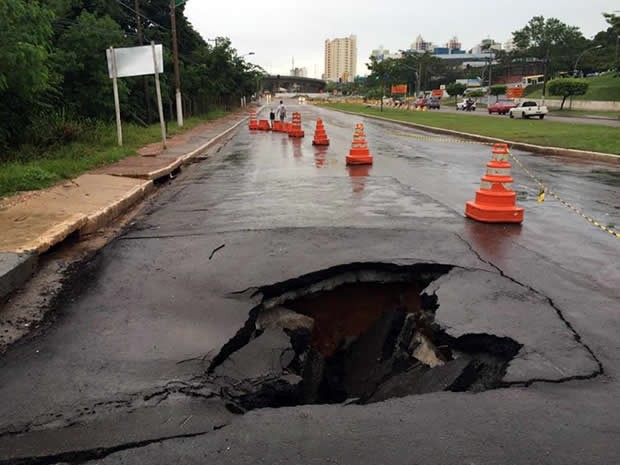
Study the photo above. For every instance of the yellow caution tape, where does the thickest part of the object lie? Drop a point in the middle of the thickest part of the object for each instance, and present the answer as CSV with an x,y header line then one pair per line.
x,y
543,190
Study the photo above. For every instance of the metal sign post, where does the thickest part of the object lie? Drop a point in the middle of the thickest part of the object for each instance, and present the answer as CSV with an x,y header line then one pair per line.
x,y
160,107
117,105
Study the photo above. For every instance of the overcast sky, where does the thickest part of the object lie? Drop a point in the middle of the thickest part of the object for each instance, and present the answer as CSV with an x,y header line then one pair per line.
x,y
277,31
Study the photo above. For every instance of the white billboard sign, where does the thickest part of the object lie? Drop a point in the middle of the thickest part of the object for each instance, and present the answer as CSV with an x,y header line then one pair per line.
x,y
136,61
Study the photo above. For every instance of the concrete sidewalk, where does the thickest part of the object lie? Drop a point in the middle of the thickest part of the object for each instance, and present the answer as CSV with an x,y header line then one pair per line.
x,y
93,200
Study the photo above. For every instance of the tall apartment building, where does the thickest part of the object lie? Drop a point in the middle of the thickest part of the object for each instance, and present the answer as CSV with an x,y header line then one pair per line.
x,y
341,59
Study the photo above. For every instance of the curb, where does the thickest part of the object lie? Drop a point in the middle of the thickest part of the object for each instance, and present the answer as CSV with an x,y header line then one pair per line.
x,y
215,140
17,268
107,214
543,150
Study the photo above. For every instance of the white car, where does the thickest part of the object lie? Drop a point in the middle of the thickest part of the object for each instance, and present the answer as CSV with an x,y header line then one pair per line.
x,y
528,109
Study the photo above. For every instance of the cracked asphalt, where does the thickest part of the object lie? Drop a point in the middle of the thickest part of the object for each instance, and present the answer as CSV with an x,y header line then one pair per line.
x,y
119,373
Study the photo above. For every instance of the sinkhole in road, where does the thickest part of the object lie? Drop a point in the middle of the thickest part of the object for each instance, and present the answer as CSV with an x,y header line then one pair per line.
x,y
360,333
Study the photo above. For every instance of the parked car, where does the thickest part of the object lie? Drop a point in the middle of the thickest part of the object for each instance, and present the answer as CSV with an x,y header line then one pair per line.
x,y
501,108
433,103
528,109
466,105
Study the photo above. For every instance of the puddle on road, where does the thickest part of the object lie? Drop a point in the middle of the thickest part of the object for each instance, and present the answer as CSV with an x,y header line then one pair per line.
x,y
362,335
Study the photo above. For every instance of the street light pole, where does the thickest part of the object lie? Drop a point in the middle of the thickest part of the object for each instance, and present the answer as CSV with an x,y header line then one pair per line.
x,y
582,54
175,56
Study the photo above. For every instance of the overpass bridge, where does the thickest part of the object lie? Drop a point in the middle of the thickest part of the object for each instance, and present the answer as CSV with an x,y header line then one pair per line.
x,y
304,85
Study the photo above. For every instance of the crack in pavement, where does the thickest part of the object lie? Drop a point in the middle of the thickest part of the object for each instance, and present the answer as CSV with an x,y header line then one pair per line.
x,y
199,387
99,453
561,316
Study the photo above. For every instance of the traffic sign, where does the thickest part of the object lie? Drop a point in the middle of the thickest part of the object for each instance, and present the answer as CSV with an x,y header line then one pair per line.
x,y
399,89
514,92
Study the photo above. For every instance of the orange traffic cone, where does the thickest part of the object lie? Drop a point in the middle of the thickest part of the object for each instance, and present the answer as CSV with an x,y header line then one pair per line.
x,y
320,136
253,121
296,130
495,201
359,153
263,125
278,126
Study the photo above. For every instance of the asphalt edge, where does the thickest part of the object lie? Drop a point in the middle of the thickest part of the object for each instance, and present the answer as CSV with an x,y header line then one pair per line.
x,y
18,275
541,149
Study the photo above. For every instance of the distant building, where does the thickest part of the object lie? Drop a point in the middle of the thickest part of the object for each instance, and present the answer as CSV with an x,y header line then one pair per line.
x,y
341,59
486,46
420,45
299,72
509,46
454,44
380,53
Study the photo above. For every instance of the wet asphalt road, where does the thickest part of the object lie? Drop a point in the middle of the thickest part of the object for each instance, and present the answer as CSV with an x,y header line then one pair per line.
x,y
118,374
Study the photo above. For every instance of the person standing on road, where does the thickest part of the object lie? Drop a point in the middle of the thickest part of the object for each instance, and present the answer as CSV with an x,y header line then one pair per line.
x,y
272,117
281,111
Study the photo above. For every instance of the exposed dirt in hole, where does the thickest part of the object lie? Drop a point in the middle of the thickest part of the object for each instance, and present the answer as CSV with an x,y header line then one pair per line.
x,y
363,336
350,310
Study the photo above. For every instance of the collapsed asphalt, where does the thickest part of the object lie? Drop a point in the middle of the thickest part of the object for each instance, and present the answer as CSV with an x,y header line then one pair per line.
x,y
123,370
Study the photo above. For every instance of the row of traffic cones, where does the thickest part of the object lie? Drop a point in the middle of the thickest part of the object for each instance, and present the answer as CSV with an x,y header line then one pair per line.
x,y
495,201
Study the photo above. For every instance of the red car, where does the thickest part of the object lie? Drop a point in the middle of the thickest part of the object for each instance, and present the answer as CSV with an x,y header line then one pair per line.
x,y
501,108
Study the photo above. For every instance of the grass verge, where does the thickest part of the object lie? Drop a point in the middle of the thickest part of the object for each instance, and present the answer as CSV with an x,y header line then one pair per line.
x,y
601,88
547,133
97,147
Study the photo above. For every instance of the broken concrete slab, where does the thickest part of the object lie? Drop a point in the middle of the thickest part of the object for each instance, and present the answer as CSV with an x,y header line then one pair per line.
x,y
369,358
143,167
83,204
15,270
180,417
420,379
475,302
268,354
283,318
426,352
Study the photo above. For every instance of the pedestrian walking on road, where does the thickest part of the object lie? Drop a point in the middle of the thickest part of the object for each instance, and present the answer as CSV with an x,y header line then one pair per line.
x,y
281,111
272,117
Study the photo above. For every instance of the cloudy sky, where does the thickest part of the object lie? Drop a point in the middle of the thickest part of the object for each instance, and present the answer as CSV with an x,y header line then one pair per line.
x,y
277,31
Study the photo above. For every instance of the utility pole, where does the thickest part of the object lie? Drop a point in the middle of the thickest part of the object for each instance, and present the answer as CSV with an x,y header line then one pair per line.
x,y
546,63
418,84
147,97
490,78
175,56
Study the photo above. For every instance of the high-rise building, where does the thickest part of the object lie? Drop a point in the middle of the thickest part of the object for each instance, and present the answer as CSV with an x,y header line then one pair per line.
x,y
420,45
299,72
453,44
341,59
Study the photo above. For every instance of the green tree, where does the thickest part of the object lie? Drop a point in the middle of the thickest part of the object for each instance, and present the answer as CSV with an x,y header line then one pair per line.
x,y
498,90
567,88
550,40
476,94
80,60
24,53
456,89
